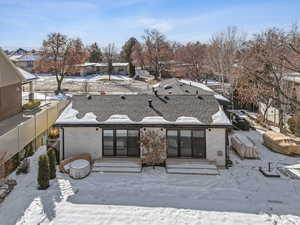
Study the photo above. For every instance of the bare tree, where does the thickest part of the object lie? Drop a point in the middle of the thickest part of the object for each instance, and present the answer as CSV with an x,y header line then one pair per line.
x,y
265,62
60,56
223,52
138,56
194,56
109,54
157,50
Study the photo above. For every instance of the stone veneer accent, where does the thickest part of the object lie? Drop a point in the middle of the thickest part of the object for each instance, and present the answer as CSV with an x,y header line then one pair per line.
x,y
153,145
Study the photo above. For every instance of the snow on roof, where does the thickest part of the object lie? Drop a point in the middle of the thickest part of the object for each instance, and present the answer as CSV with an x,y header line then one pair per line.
x,y
220,118
15,57
206,88
186,120
24,58
117,119
197,84
221,97
294,77
154,119
27,76
182,109
86,64
69,116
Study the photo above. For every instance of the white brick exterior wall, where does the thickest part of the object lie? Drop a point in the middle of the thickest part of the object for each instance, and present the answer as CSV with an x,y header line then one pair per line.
x,y
80,140
216,145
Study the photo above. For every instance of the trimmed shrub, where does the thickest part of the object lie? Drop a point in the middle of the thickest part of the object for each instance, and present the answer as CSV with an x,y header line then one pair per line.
x,y
29,151
292,124
44,172
31,104
52,162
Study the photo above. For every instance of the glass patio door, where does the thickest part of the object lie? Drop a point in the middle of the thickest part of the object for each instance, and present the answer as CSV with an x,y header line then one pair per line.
x,y
121,143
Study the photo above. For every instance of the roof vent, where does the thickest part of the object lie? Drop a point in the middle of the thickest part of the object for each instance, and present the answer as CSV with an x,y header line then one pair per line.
x,y
167,86
150,102
122,97
89,97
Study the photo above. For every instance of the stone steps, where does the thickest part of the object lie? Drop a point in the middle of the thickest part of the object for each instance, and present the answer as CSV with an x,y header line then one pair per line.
x,y
117,165
193,171
117,169
191,166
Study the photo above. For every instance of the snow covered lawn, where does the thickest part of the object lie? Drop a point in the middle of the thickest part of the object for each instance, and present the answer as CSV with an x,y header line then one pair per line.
x,y
240,195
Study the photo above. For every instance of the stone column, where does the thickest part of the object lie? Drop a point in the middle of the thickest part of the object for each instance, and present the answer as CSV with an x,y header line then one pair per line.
x,y
153,146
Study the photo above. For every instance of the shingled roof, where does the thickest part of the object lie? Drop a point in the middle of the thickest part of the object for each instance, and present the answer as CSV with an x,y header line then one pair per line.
x,y
174,87
138,108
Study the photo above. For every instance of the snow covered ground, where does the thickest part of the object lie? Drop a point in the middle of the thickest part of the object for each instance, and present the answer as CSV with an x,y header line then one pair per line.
x,y
240,195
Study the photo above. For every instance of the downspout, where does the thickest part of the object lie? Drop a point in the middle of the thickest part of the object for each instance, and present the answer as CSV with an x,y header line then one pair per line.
x,y
226,148
63,143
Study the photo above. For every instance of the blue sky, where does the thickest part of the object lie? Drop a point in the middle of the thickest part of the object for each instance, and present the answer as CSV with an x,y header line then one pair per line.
x,y
26,23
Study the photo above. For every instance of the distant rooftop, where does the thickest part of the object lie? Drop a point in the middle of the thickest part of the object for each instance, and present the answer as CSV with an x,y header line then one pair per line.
x,y
28,76
294,77
87,64
175,86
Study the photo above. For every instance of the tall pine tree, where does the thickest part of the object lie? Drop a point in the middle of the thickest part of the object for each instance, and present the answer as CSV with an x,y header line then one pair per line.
x,y
95,53
127,50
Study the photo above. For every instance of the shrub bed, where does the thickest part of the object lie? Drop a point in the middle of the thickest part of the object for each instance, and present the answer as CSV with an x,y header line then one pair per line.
x,y
31,105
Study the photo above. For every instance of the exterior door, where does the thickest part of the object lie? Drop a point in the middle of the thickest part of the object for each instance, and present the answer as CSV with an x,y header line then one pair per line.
x,y
199,144
186,143
121,143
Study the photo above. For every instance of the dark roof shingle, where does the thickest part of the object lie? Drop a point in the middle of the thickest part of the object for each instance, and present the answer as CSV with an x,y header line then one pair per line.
x,y
136,107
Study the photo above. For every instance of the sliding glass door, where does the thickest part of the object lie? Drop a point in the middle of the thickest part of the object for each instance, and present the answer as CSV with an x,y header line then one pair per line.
x,y
186,143
108,142
121,143
133,144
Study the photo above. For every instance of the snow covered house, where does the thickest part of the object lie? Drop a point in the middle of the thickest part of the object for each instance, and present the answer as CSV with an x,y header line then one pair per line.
x,y
151,127
102,68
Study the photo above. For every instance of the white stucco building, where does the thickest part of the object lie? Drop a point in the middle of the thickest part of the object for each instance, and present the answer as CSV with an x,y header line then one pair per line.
x,y
150,127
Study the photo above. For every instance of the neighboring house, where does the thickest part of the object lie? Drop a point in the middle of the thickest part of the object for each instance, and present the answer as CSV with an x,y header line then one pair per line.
x,y
152,127
20,130
291,87
25,60
102,68
10,88
28,83
175,86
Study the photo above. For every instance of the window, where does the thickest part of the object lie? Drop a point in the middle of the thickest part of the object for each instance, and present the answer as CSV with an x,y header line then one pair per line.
x,y
133,144
121,143
172,143
186,143
199,144
108,142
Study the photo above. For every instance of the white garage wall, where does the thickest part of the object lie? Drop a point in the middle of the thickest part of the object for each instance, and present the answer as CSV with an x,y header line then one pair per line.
x,y
216,145
79,140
